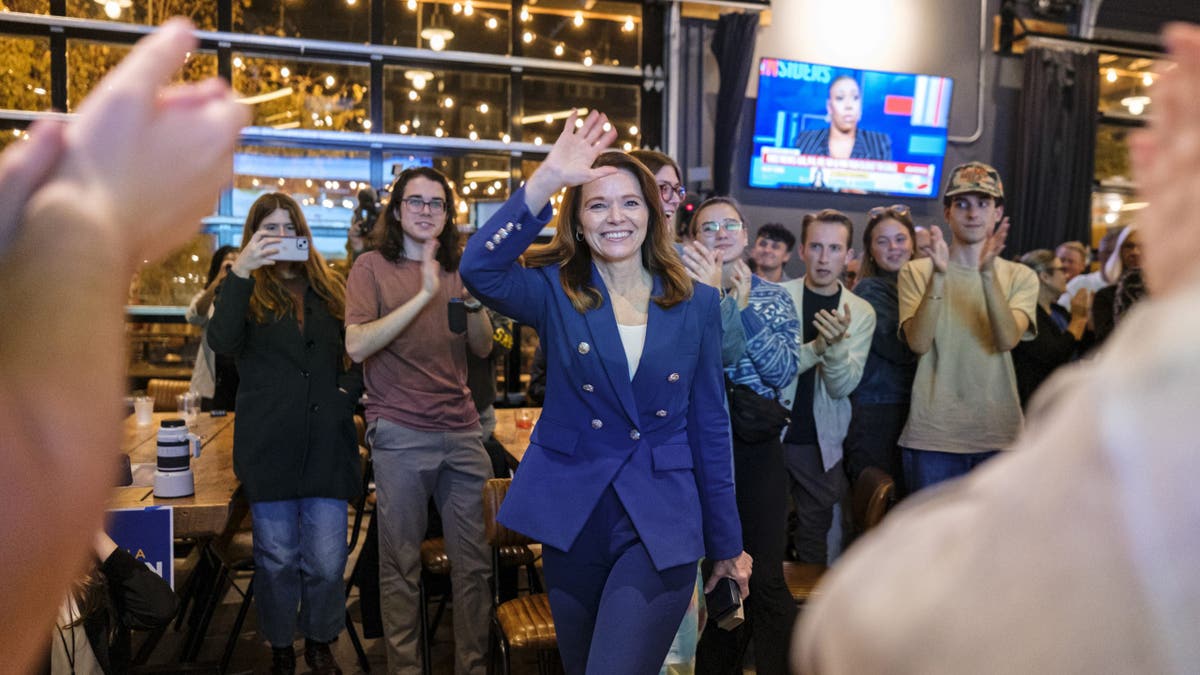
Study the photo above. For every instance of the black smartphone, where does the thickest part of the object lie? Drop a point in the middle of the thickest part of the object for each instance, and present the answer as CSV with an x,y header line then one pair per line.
x,y
457,313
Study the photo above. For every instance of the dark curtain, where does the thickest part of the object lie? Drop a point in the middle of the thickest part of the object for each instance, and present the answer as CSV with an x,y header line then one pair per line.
x,y
1051,196
733,45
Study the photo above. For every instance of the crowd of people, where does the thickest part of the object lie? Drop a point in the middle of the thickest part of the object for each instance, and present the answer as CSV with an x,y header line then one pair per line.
x,y
690,402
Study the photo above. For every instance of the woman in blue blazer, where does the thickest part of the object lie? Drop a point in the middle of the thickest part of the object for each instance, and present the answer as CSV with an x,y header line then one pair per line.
x,y
628,477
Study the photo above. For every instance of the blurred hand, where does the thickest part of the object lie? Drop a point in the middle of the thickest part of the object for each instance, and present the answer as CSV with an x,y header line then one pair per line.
x,y
24,167
1166,161
1081,304
149,157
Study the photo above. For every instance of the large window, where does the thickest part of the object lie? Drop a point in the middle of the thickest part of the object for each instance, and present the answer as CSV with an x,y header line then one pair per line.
x,y
303,94
26,69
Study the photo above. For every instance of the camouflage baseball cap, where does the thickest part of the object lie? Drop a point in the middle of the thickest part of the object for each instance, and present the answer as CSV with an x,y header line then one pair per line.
x,y
975,177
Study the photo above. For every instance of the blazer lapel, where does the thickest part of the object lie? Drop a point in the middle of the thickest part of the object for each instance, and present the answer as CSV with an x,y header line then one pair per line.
x,y
602,324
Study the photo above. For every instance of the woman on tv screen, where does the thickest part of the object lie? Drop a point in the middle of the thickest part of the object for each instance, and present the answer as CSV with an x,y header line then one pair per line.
x,y
842,139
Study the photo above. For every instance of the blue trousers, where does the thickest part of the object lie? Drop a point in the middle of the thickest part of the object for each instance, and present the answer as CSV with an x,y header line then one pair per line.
x,y
613,611
299,558
923,468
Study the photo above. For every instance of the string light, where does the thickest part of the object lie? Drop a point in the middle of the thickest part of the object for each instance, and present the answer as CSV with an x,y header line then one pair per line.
x,y
492,23
412,5
587,60
329,81
238,63
449,102
506,138
558,49
578,20
537,140
627,147
628,27
473,136
1147,79
456,8
483,108
524,14
1111,76
366,125
633,130
527,37
413,95
285,72
468,9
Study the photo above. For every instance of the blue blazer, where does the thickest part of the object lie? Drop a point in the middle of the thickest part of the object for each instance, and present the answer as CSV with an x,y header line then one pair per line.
x,y
661,441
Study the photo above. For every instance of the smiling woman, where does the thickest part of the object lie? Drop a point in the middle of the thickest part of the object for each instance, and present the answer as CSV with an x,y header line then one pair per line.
x,y
627,479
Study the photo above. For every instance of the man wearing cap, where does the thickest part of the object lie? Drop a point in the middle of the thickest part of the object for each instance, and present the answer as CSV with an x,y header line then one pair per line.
x,y
962,309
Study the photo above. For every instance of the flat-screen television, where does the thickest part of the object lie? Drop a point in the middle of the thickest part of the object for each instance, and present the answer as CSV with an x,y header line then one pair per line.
x,y
819,127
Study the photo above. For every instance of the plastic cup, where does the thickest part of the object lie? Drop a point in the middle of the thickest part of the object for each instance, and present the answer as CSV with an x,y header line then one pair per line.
x,y
524,419
143,410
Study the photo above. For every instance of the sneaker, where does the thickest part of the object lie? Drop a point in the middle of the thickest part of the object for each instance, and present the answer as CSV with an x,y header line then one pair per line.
x,y
283,661
320,659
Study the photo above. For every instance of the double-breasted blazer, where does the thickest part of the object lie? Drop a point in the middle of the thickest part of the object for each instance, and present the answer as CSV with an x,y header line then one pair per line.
x,y
661,440
294,436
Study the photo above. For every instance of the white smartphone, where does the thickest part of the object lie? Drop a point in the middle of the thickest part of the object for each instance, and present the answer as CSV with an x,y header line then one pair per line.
x,y
292,248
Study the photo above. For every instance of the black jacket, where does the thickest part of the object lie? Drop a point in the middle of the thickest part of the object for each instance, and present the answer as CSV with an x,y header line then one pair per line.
x,y
137,599
294,436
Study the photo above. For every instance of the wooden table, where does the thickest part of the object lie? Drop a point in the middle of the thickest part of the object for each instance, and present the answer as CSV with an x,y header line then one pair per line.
x,y
204,513
515,439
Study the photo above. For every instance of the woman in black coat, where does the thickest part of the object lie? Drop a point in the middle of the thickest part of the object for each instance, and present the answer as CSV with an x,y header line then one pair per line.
x,y
295,448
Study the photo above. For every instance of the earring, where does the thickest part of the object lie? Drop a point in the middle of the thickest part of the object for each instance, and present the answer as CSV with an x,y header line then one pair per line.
x,y
578,235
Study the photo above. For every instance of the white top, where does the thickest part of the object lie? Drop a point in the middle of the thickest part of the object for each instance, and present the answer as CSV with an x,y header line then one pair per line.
x,y
633,339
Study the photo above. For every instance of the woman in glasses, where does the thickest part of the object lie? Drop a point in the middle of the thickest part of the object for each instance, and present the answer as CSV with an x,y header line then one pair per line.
x,y
770,362
627,480
410,321
880,403
1062,335
670,183
295,449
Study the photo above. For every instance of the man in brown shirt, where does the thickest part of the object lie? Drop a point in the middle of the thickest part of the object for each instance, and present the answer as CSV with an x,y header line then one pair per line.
x,y
407,318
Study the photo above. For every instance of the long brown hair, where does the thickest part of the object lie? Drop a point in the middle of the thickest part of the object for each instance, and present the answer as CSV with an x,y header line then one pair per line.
x,y
270,300
574,258
391,233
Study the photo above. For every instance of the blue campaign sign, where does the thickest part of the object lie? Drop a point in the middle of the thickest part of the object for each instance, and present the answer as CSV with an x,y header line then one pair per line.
x,y
148,535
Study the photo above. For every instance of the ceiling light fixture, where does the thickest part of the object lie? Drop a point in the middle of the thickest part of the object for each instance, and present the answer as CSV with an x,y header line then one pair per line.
x,y
436,33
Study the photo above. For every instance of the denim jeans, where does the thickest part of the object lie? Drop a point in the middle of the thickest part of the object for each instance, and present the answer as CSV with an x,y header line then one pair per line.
x,y
923,468
299,557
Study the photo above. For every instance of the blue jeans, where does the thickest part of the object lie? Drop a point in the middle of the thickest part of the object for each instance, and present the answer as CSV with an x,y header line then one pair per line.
x,y
923,468
299,557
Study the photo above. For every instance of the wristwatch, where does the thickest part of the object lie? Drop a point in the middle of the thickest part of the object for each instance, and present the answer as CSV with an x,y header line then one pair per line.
x,y
472,305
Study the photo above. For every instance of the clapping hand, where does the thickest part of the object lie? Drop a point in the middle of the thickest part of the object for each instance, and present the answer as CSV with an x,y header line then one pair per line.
x,y
431,269
740,283
937,250
993,245
702,263
570,160
832,327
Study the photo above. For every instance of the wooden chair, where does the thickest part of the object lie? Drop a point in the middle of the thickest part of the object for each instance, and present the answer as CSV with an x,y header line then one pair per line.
x,y
873,495
802,579
164,392
525,621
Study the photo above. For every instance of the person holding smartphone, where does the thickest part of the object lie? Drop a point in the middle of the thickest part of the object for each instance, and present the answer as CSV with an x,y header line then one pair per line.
x,y
409,320
295,448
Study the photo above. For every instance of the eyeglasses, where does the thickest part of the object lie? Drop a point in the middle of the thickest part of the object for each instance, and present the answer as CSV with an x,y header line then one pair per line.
x,y
667,190
714,226
416,205
898,210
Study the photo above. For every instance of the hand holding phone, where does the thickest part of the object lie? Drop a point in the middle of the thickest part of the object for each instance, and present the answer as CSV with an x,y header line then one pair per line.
x,y
291,248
